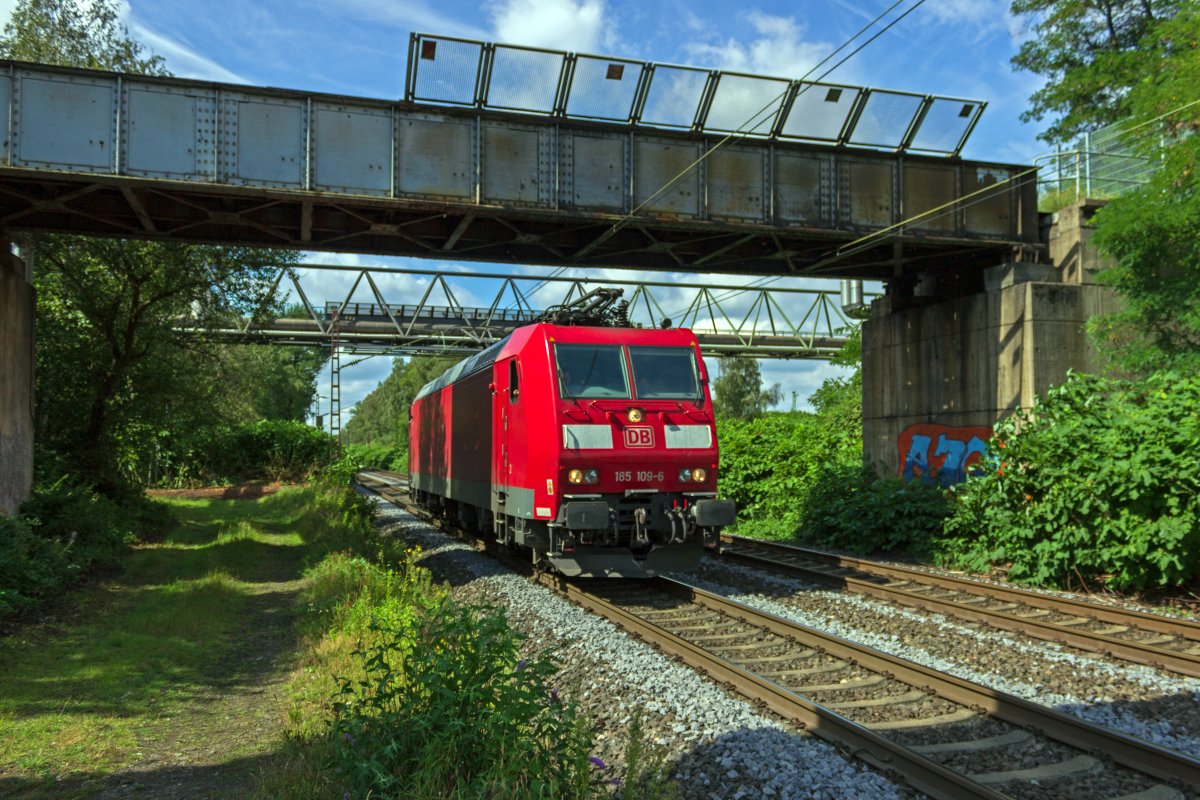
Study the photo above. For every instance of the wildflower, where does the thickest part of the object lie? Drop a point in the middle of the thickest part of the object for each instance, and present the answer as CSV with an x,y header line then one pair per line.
x,y
521,665
614,781
346,795
554,696
348,737
597,762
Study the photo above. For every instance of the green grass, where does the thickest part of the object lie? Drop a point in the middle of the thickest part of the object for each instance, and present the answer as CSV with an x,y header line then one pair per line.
x,y
86,694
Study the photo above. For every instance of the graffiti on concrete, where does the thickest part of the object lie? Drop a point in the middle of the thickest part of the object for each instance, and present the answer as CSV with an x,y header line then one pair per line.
x,y
941,454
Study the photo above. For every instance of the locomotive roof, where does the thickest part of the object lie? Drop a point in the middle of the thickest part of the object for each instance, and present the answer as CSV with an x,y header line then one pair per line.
x,y
468,366
486,357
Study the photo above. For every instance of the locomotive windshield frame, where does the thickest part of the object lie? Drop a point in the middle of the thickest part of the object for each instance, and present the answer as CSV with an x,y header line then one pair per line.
x,y
658,373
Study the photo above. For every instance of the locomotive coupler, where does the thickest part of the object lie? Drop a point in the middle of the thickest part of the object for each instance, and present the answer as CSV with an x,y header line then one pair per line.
x,y
640,534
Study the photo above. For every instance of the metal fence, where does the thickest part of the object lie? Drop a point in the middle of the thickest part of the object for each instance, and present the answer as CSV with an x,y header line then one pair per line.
x,y
1101,164
444,70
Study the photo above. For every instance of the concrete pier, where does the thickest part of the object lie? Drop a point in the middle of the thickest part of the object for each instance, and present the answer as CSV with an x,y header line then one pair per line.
x,y
944,360
16,380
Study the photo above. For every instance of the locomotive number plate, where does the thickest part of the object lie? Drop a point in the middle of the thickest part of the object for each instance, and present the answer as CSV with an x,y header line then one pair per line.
x,y
641,475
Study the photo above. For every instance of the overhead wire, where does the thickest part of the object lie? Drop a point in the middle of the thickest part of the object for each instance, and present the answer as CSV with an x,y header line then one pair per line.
x,y
805,86
749,125
741,132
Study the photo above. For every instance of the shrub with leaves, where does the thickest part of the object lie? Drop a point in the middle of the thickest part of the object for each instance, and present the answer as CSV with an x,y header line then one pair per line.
x,y
64,532
852,509
1100,481
380,455
451,710
30,565
772,465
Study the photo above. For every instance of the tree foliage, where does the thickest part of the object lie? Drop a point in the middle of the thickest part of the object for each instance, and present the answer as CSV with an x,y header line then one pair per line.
x,y
1091,52
738,390
1153,232
75,34
114,380
119,394
382,416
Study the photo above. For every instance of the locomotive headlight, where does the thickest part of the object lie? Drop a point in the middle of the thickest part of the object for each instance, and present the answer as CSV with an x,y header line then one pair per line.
x,y
685,475
578,476
636,415
699,474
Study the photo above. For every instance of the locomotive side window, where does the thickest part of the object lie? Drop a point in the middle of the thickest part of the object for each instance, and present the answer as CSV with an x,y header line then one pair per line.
x,y
591,370
514,387
665,373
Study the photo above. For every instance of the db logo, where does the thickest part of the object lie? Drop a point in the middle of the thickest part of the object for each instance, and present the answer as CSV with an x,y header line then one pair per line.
x,y
639,437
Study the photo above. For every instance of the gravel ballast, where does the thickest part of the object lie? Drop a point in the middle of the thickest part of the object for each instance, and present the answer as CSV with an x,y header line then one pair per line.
x,y
719,746
1150,704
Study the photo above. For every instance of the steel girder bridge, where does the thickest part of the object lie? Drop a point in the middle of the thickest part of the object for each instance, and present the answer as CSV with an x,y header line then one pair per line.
x,y
755,321
519,155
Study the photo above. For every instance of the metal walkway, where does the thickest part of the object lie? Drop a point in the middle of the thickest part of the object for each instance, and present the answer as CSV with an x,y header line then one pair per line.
x,y
513,155
762,322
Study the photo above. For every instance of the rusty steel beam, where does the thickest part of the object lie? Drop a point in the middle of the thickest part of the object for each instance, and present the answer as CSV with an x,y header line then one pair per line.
x,y
252,166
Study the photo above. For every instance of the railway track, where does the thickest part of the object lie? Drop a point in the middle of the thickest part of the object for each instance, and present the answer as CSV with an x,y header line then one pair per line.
x,y
1137,636
943,735
946,736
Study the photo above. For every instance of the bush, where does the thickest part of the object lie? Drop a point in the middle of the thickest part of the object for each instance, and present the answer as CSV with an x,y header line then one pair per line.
x,y
272,450
770,467
456,685
91,529
852,509
64,532
1099,481
378,455
30,565
336,518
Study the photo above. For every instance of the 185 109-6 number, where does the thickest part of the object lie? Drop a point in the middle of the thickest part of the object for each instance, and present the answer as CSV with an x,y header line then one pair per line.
x,y
641,476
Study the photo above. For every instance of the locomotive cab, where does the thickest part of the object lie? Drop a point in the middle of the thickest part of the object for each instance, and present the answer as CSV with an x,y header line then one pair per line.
x,y
638,457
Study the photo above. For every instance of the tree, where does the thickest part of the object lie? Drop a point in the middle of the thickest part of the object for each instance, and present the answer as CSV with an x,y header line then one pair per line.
x,y
109,362
75,34
382,416
115,385
1154,231
1092,53
739,390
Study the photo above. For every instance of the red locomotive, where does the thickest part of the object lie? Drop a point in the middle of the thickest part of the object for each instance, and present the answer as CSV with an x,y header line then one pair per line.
x,y
592,446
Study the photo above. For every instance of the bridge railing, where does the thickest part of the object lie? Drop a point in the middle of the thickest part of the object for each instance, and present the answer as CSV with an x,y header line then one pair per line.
x,y
447,70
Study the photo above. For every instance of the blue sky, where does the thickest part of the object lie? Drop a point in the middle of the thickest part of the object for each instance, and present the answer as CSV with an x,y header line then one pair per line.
x,y
358,47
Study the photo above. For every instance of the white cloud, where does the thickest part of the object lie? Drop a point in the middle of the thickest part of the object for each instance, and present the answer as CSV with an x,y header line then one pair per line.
x,y
183,60
984,16
779,49
413,15
577,25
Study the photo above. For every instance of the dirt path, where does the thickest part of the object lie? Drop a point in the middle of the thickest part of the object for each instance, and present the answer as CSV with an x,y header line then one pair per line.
x,y
215,745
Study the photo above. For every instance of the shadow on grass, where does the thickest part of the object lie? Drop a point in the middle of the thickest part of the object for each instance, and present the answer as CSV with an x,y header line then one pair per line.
x,y
177,645
237,778
246,560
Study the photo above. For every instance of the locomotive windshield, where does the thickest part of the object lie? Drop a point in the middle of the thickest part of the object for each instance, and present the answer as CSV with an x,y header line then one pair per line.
x,y
664,373
591,370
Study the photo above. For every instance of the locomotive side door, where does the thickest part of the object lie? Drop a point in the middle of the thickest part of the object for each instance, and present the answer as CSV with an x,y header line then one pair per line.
x,y
504,377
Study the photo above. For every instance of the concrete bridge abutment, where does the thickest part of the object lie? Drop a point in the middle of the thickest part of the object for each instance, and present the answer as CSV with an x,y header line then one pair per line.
x,y
948,356
17,310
